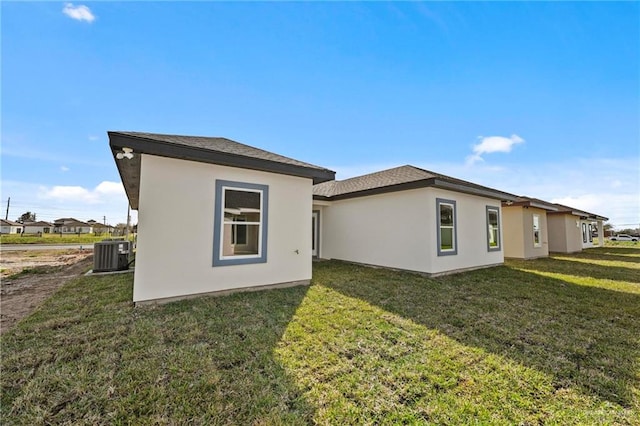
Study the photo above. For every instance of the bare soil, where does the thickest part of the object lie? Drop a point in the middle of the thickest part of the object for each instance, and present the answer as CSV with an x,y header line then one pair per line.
x,y
30,277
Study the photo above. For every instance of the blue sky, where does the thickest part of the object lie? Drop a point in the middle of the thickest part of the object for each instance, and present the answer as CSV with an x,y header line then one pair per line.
x,y
538,99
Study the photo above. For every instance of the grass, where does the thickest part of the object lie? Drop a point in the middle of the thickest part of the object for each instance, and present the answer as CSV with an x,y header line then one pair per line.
x,y
51,238
549,341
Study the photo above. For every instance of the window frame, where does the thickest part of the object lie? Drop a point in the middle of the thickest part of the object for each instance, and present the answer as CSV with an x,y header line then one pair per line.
x,y
221,186
453,251
537,229
498,247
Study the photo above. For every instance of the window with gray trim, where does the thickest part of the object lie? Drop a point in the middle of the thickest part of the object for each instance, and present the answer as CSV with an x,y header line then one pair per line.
x,y
446,217
493,228
240,223
537,242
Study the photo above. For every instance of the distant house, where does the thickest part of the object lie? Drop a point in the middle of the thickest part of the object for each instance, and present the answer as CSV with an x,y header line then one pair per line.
x,y
10,227
571,230
534,228
409,218
249,214
39,227
526,230
70,225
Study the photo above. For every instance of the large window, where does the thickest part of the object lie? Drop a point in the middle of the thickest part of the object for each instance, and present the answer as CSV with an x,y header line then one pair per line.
x,y
493,228
240,223
537,242
447,238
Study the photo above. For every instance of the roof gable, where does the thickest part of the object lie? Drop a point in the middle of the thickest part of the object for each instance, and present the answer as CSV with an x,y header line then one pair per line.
x,y
400,179
212,150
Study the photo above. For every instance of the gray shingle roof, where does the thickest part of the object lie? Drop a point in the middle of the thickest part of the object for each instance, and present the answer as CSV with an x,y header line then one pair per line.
x,y
224,145
38,223
212,150
534,202
398,179
570,210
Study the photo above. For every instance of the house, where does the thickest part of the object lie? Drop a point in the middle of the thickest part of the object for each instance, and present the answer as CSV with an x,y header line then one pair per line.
x,y
249,212
100,228
534,227
526,231
10,227
70,225
571,230
39,227
409,218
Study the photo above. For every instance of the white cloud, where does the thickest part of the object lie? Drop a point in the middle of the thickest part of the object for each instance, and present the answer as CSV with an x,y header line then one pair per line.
x,y
99,195
110,188
64,169
79,13
490,144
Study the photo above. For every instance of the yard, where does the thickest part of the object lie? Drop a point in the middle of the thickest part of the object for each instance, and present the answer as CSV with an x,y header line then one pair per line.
x,y
52,238
550,341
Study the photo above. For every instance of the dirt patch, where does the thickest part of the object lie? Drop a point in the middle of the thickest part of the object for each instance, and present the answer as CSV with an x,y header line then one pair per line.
x,y
35,277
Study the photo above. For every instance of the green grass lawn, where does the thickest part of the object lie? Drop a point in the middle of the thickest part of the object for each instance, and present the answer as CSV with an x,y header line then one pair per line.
x,y
51,238
549,341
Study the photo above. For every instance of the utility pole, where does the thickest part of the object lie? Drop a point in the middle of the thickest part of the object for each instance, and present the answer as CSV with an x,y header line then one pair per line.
x,y
6,216
127,233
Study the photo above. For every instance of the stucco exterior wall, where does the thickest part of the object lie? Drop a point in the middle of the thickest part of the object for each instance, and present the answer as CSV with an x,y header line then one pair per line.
x,y
386,230
472,233
513,231
37,229
530,250
564,235
11,229
399,230
179,263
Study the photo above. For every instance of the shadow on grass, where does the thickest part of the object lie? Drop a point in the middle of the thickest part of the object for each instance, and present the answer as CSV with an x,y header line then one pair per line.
x,y
627,248
89,357
584,337
615,254
579,269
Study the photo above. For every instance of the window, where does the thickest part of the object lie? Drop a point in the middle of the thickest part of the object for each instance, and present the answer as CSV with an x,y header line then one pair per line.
x,y
536,231
240,223
584,232
493,228
447,238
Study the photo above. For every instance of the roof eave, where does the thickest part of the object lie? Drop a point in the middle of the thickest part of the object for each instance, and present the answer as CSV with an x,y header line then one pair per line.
x,y
424,183
474,190
129,169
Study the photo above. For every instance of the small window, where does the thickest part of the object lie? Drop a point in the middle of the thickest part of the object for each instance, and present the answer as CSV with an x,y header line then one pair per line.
x,y
240,223
536,231
447,238
584,233
591,229
493,228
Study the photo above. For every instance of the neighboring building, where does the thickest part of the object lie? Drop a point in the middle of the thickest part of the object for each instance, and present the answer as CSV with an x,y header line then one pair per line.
x,y
571,230
10,227
526,231
409,218
70,225
249,212
39,227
